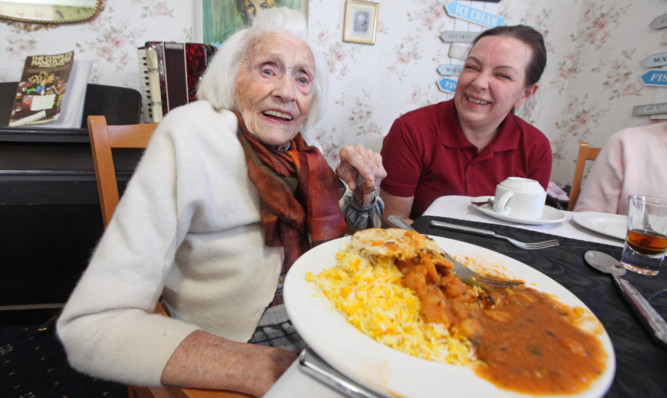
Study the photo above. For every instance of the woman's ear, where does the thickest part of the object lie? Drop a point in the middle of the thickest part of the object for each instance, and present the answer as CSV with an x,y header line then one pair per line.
x,y
527,93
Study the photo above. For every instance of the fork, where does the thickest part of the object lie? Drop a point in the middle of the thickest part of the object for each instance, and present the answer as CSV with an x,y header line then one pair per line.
x,y
460,269
524,245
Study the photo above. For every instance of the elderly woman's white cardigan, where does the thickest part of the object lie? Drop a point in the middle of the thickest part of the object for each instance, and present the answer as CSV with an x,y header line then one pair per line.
x,y
188,228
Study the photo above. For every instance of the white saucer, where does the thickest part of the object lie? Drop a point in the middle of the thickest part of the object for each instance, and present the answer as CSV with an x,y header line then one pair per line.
x,y
549,214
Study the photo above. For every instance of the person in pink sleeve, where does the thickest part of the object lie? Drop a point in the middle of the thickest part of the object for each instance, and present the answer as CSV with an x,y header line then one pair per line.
x,y
632,161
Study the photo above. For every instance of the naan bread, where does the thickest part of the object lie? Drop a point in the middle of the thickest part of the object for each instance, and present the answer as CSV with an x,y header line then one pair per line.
x,y
397,243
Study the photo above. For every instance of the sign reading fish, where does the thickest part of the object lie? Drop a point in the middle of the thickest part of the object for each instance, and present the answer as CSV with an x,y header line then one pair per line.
x,y
655,78
447,85
471,14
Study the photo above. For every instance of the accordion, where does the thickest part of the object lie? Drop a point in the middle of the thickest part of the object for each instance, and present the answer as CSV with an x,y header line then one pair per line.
x,y
170,73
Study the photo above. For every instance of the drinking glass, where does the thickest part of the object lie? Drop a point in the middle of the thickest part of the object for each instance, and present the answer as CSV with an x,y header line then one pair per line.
x,y
646,239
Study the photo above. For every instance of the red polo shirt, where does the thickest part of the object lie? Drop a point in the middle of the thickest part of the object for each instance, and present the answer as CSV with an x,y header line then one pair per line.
x,y
427,156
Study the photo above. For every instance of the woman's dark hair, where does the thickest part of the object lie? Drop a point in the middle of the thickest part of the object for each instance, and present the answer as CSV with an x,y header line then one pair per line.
x,y
532,39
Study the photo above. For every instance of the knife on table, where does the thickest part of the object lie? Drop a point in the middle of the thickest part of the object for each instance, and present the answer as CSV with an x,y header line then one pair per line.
x,y
314,366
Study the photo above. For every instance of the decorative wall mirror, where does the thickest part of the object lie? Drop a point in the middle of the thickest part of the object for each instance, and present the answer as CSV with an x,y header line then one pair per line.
x,y
32,15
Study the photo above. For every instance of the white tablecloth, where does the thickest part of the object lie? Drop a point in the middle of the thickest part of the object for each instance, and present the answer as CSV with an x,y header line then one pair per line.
x,y
295,383
459,207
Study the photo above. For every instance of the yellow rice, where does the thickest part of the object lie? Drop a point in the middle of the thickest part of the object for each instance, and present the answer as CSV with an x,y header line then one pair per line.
x,y
373,299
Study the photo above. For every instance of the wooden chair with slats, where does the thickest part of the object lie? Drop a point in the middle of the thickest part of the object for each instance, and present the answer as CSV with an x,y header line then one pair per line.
x,y
104,138
585,153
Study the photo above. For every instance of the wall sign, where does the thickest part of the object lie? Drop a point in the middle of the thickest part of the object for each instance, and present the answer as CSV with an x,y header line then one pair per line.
x,y
450,70
451,36
659,22
447,85
649,109
655,78
655,60
471,14
457,51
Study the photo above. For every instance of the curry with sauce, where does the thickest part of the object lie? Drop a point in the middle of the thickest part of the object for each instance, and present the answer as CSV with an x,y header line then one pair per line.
x,y
526,341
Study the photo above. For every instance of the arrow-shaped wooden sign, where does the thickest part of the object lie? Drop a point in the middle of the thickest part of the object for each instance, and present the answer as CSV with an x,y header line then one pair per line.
x,y
471,14
458,51
451,36
450,69
447,85
659,22
655,60
649,109
655,78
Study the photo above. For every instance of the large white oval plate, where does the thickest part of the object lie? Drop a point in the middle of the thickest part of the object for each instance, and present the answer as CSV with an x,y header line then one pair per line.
x,y
389,371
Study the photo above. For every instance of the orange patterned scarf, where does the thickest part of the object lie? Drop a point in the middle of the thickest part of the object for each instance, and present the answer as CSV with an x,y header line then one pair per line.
x,y
298,193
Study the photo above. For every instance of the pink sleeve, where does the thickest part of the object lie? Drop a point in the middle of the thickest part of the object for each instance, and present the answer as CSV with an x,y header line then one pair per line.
x,y
602,187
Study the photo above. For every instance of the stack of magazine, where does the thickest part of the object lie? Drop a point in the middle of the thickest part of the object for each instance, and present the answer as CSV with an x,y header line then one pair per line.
x,y
51,92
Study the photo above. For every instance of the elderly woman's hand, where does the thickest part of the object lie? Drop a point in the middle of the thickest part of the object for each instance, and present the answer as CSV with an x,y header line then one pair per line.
x,y
362,171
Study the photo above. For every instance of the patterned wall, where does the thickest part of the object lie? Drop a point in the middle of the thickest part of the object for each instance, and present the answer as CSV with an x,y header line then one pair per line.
x,y
592,81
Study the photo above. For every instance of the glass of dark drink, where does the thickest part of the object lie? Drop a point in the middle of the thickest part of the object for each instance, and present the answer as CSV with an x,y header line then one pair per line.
x,y
646,239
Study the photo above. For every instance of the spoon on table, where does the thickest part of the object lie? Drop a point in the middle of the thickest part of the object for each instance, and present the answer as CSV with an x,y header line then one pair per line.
x,y
652,320
481,201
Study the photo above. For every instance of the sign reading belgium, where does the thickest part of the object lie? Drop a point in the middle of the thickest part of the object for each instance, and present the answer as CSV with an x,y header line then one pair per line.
x,y
471,14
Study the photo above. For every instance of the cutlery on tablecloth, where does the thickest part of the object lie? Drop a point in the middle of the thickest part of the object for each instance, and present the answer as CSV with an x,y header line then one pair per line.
x,y
480,203
315,366
609,265
485,232
460,269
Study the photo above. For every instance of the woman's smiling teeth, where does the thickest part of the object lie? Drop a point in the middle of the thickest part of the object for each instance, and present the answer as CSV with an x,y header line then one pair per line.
x,y
277,114
477,101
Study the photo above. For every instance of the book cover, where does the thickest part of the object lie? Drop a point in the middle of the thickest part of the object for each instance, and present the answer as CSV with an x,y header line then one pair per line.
x,y
71,112
41,90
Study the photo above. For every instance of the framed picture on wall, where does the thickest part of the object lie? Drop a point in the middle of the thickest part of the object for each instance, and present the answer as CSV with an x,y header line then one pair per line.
x,y
361,18
215,20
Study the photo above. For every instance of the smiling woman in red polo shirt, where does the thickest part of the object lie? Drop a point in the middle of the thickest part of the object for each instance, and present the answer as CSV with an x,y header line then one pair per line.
x,y
469,144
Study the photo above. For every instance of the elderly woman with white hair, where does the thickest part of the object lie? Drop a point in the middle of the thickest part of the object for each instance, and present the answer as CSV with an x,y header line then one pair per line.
x,y
225,198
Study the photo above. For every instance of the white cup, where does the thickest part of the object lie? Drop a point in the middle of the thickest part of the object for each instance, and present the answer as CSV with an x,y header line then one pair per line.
x,y
520,198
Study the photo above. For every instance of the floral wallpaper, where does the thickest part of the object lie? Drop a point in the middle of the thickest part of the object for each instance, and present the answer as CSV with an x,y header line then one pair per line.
x,y
592,80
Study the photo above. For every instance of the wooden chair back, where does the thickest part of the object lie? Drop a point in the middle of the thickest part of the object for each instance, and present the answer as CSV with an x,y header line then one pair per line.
x,y
104,138
585,153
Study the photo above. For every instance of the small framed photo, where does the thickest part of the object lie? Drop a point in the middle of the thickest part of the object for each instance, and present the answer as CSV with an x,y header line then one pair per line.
x,y
361,18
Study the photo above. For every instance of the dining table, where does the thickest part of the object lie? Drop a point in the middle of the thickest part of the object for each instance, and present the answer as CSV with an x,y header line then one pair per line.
x,y
641,361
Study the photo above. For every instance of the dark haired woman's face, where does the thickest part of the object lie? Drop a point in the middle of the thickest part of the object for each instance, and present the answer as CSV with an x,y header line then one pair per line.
x,y
492,81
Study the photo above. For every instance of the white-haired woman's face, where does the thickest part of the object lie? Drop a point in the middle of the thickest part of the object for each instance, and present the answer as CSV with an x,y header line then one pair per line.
x,y
274,87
